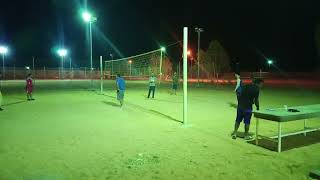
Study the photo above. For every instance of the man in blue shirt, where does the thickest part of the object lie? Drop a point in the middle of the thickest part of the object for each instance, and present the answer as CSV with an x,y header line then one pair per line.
x,y
248,97
121,86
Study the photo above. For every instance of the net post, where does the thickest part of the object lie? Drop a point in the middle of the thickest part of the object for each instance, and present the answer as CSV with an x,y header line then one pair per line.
x,y
185,75
101,76
160,71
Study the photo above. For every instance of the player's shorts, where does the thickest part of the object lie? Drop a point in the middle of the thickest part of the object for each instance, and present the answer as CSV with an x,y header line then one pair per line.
x,y
120,95
174,86
244,114
29,89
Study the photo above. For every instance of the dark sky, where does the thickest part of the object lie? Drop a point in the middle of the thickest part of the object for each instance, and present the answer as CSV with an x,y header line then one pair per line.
x,y
282,29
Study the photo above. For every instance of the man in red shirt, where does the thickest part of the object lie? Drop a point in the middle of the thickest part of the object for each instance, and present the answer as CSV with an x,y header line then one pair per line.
x,y
29,87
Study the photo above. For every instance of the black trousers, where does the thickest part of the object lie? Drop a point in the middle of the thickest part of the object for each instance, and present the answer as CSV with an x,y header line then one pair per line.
x,y
153,89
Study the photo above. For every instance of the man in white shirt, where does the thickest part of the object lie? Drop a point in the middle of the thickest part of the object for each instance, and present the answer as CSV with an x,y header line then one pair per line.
x,y
152,85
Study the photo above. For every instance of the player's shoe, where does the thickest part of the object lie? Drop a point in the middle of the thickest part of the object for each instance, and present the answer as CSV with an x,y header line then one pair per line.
x,y
234,135
248,138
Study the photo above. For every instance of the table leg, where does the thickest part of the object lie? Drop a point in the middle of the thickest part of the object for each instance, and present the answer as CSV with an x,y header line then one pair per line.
x,y
279,137
257,131
305,127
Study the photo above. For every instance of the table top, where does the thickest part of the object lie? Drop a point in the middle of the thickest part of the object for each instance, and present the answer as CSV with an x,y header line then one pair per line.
x,y
282,115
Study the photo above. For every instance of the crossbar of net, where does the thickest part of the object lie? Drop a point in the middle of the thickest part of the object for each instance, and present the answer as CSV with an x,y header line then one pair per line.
x,y
138,66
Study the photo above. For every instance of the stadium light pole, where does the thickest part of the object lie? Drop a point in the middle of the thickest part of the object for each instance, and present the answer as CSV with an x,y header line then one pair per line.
x,y
198,30
270,62
70,68
88,18
62,53
3,52
111,55
130,62
162,50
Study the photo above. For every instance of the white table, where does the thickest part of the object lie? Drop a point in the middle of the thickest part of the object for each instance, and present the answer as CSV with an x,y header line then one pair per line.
x,y
280,115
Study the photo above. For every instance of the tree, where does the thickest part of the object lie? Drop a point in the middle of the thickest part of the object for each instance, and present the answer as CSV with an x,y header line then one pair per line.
x,y
217,58
202,60
166,66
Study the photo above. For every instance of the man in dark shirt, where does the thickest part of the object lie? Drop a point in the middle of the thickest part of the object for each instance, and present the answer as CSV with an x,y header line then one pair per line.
x,y
249,96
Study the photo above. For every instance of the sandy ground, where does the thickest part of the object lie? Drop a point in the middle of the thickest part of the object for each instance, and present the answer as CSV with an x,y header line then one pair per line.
x,y
70,132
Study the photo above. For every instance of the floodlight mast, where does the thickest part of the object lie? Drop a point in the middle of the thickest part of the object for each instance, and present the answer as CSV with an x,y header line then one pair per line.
x,y
3,51
88,18
62,53
198,30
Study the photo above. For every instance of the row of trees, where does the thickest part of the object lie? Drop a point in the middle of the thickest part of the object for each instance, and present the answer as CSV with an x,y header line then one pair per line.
x,y
213,62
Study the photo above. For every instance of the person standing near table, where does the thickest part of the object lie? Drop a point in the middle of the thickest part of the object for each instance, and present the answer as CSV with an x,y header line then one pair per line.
x,y
249,96
238,87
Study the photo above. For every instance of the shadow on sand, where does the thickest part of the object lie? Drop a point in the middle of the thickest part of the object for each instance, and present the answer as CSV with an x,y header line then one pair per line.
x,y
290,142
233,105
14,103
111,103
150,111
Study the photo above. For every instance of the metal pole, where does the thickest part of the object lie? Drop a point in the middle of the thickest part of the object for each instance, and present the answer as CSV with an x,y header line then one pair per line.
x,y
33,66
101,76
62,58
4,75
198,58
111,65
260,73
90,31
130,71
179,71
14,71
33,72
70,71
160,71
44,72
185,75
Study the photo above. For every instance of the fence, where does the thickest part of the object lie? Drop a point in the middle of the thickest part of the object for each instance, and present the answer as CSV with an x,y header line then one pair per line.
x,y
12,73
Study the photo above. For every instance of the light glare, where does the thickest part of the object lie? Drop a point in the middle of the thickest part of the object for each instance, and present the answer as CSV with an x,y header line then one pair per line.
x,y
86,16
3,50
62,52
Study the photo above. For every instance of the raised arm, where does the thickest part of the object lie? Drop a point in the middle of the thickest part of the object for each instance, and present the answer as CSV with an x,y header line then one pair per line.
x,y
238,84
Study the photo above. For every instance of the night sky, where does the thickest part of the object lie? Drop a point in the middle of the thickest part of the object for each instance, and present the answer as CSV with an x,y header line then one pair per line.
x,y
282,30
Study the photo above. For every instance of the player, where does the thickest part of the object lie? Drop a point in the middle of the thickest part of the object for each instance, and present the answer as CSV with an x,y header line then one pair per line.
x,y
121,86
0,92
175,81
249,95
29,87
239,85
152,85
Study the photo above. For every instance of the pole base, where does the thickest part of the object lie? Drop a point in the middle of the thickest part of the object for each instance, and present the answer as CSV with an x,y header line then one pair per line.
x,y
186,125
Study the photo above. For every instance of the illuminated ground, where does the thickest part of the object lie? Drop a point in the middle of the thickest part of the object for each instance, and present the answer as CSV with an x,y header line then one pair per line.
x,y
70,132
